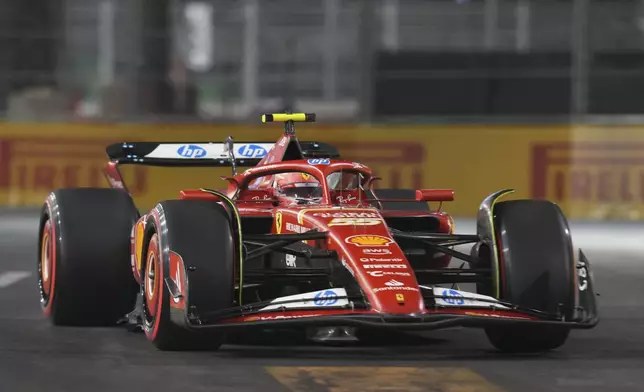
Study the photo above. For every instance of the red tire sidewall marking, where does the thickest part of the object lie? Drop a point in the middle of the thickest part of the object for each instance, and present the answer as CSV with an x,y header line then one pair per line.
x,y
154,247
49,231
45,260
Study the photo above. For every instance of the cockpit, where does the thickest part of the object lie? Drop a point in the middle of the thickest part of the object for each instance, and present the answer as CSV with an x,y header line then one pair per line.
x,y
299,188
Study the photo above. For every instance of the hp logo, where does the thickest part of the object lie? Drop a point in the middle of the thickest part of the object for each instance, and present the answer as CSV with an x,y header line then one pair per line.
x,y
319,161
251,151
191,151
453,301
326,298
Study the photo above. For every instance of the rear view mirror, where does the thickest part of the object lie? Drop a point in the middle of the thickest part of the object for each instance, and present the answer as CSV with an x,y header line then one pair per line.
x,y
434,195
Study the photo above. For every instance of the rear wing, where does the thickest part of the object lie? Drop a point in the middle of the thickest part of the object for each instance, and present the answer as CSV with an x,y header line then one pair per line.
x,y
204,153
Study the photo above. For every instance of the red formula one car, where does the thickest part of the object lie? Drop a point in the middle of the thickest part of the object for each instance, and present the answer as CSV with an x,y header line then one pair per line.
x,y
302,240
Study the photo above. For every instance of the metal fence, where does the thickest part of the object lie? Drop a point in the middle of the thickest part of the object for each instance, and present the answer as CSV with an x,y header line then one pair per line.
x,y
226,60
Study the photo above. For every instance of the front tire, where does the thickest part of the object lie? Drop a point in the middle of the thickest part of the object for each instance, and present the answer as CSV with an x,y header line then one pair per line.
x,y
536,271
199,232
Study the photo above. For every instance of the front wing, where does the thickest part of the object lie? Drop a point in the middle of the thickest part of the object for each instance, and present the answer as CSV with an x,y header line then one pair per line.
x,y
475,311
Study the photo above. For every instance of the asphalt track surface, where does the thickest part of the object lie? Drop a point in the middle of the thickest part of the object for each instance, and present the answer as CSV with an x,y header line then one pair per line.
x,y
34,356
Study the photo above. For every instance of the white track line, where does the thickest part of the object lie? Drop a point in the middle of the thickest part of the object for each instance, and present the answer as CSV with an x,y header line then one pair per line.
x,y
11,277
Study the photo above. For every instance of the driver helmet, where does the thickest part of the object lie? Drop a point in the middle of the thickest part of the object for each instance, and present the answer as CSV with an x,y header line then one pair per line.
x,y
298,186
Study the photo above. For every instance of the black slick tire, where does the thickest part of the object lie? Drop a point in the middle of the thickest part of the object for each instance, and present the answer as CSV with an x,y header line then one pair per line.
x,y
200,233
84,272
536,271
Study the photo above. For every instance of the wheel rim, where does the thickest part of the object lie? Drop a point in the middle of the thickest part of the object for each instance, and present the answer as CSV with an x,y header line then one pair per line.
x,y
45,262
151,284
46,267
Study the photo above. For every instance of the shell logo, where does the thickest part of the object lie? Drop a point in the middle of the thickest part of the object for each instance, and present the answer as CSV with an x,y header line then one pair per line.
x,y
369,240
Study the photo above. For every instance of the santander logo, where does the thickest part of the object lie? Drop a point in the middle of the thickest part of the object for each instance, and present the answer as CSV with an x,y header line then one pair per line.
x,y
394,283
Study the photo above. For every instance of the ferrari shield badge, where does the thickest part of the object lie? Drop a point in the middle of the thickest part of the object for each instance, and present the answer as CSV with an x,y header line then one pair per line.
x,y
278,222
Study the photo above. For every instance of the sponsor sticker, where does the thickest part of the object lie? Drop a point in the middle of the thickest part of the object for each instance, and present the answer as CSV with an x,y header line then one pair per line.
x,y
295,228
461,298
266,197
319,161
400,297
191,151
268,318
394,283
392,288
290,261
326,298
456,298
251,151
323,298
355,222
385,266
378,274
348,199
379,260
347,215
582,284
369,240
375,251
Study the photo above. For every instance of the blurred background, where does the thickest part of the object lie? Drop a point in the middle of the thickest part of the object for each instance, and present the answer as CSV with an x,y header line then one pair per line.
x,y
545,96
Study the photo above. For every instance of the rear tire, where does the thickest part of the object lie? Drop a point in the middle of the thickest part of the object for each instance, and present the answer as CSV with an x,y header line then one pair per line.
x,y
84,272
199,232
536,271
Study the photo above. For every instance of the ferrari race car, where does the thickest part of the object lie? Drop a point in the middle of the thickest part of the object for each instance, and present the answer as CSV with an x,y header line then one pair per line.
x,y
303,241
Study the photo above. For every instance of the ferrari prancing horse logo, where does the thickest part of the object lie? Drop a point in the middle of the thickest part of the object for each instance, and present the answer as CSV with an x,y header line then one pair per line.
x,y
278,222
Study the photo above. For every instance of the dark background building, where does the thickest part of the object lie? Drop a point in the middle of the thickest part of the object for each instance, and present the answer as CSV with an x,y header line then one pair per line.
x,y
221,60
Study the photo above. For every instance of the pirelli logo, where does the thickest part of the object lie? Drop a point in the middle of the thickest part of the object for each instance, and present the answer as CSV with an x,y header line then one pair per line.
x,y
400,164
589,172
41,165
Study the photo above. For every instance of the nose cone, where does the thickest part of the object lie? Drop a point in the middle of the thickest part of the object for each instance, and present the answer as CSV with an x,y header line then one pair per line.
x,y
383,272
364,243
